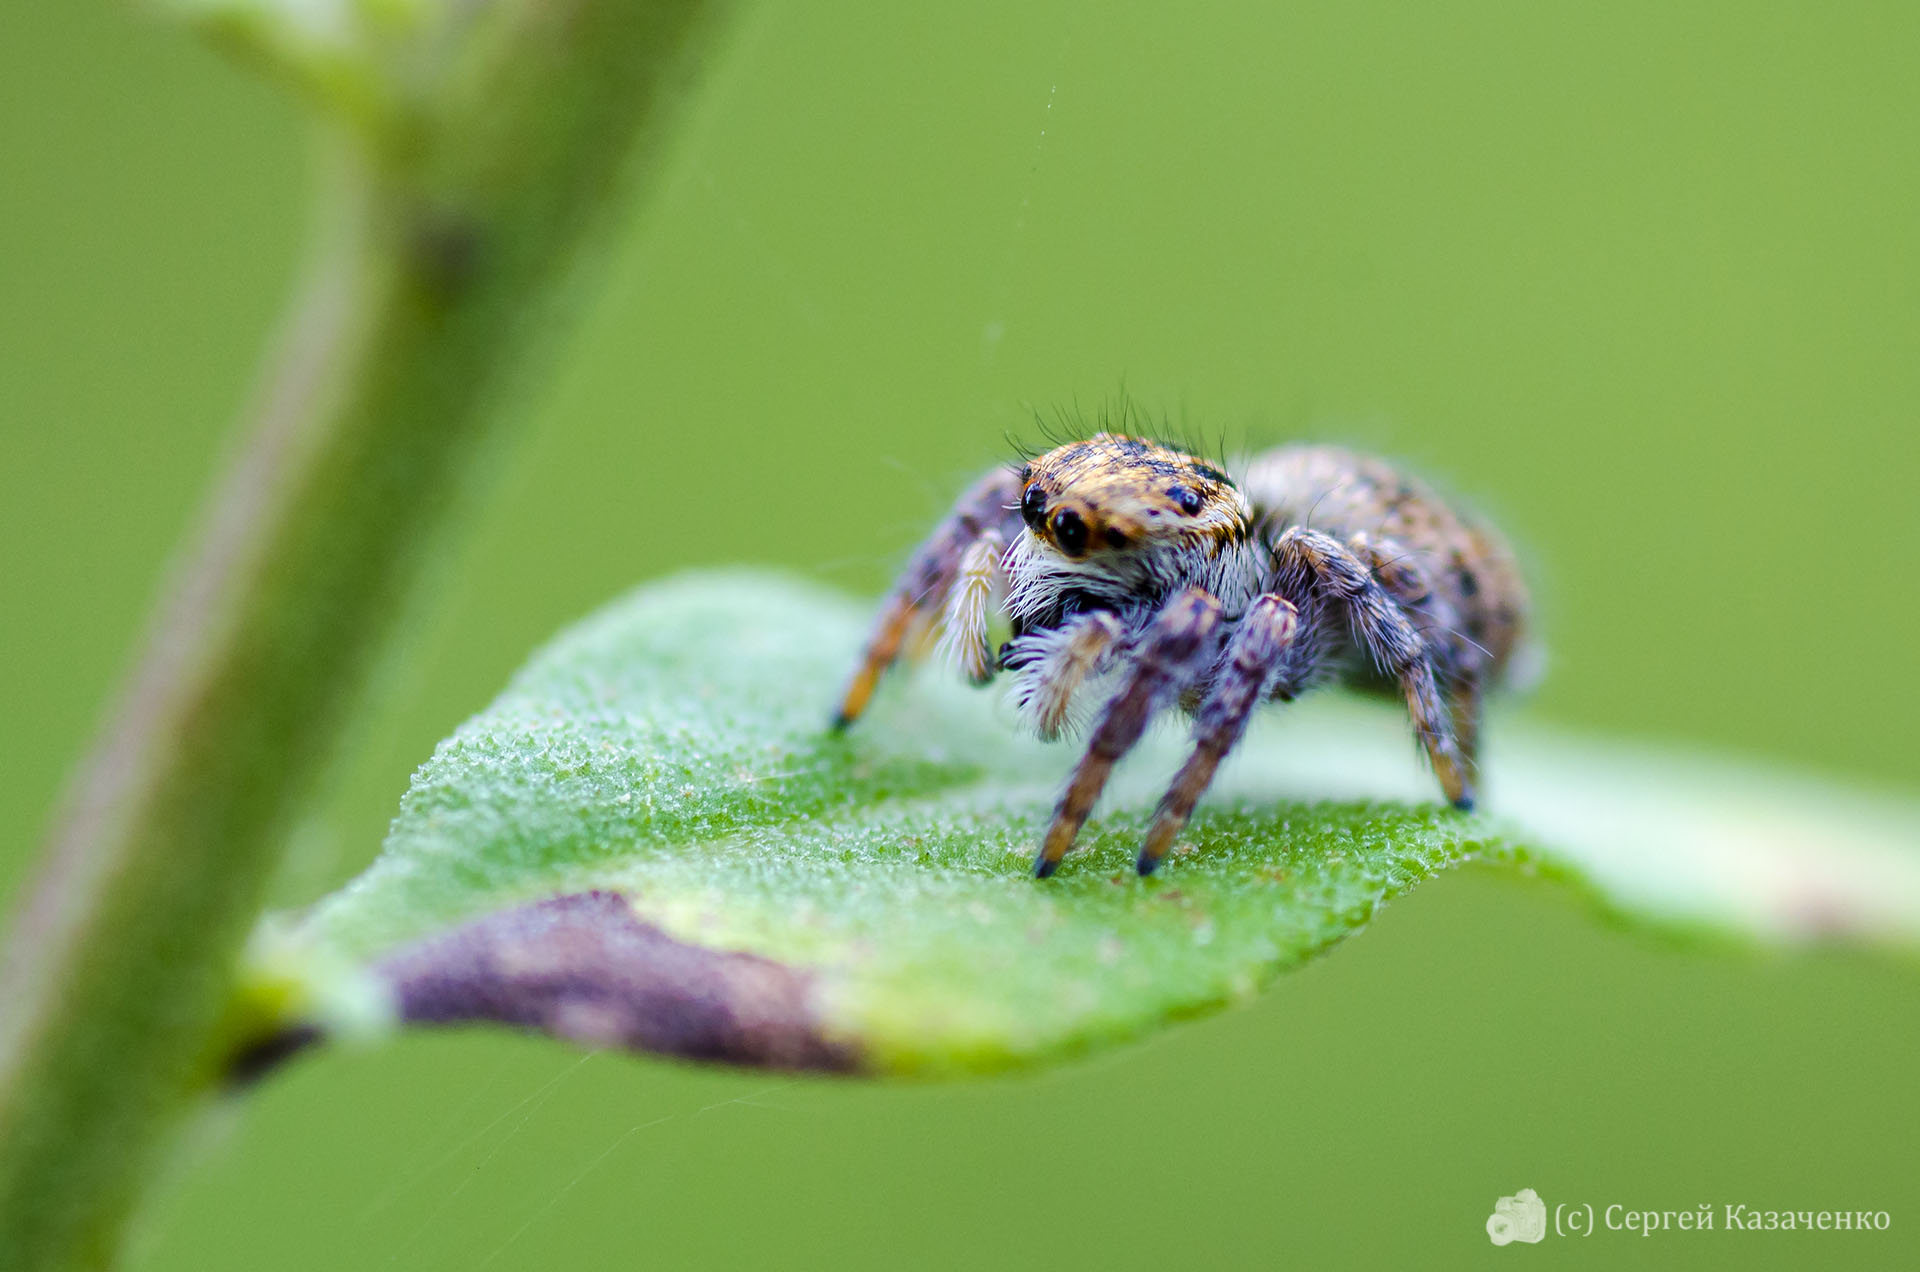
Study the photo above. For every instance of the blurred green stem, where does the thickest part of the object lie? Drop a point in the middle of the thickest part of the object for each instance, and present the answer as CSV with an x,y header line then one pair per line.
x,y
482,165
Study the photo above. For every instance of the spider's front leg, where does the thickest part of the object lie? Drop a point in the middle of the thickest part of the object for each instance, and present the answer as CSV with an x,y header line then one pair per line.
x,y
1253,658
1178,645
965,546
1316,562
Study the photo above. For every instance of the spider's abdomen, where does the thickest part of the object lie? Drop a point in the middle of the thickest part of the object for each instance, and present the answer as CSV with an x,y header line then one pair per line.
x,y
1477,604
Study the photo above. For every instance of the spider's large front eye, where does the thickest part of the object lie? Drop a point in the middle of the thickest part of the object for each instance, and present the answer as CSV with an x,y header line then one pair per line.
x,y
1188,498
1070,532
1033,506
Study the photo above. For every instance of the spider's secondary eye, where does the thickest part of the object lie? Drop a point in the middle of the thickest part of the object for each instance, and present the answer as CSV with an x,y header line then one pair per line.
x,y
1033,505
1069,532
1188,498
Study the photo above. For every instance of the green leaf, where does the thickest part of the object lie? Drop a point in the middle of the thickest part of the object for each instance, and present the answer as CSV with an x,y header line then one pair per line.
x,y
651,839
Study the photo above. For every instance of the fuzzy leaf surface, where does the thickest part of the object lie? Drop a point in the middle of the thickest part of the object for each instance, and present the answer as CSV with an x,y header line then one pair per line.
x,y
668,758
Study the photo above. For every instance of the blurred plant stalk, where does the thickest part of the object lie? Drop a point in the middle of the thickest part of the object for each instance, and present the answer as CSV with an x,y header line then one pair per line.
x,y
479,151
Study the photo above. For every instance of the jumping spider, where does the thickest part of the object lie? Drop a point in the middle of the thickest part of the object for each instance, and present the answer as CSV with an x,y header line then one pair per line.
x,y
1140,577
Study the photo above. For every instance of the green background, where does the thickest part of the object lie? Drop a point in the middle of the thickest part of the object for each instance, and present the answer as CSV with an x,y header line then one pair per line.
x,y
1642,281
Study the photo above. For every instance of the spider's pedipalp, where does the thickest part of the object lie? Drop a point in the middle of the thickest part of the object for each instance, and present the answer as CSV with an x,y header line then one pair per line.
x,y
990,506
1174,648
970,600
1065,659
1310,559
1247,671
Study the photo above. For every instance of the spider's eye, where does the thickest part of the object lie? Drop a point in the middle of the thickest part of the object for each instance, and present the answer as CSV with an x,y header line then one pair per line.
x,y
1069,532
1033,505
1188,498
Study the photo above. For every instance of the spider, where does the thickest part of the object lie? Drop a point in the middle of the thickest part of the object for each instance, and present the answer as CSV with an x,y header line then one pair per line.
x,y
1138,577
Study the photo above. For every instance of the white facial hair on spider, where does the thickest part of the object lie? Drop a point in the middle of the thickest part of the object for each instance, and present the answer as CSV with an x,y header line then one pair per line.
x,y
1044,585
1075,619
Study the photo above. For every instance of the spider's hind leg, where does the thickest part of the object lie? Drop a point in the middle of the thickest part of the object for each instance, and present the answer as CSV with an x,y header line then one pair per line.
x,y
1463,700
988,511
1312,560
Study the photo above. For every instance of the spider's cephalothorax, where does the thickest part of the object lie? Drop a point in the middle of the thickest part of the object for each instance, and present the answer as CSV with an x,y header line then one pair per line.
x,y
1136,577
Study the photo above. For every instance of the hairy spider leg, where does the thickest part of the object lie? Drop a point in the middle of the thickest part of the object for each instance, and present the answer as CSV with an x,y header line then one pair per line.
x,y
1176,646
1310,559
1247,671
1396,568
1463,699
989,506
1463,690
